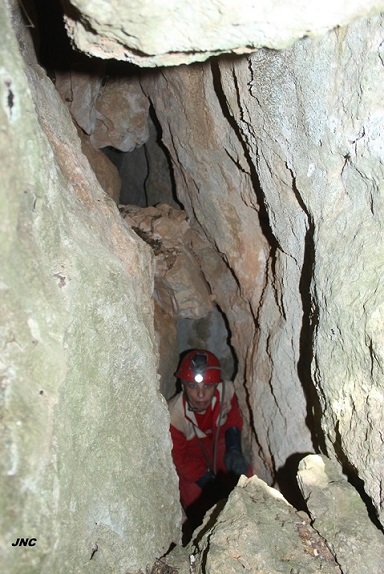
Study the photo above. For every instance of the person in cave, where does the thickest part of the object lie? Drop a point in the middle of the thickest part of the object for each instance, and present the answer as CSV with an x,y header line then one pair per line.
x,y
206,432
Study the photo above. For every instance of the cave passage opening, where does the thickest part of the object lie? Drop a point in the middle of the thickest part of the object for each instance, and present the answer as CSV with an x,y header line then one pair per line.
x,y
145,180
143,165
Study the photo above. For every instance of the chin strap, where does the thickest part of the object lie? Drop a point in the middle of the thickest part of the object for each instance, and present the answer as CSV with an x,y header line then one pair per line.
x,y
218,429
211,468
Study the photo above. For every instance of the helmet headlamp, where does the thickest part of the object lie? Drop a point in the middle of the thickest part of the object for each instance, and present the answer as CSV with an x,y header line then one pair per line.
x,y
200,366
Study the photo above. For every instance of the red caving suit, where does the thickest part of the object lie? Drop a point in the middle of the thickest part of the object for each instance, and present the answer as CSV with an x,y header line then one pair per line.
x,y
193,437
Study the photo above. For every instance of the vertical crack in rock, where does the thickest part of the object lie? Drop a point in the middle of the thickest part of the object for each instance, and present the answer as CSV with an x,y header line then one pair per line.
x,y
242,137
309,324
263,215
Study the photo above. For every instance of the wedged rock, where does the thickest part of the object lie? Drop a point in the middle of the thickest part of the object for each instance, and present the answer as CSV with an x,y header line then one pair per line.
x,y
258,531
340,516
121,115
157,34
180,288
80,89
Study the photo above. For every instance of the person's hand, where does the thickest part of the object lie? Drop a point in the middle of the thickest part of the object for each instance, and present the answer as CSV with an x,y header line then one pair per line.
x,y
206,479
235,462
233,459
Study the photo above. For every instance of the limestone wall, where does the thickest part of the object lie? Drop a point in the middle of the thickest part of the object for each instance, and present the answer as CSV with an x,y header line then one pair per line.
x,y
172,33
281,169
84,431
315,112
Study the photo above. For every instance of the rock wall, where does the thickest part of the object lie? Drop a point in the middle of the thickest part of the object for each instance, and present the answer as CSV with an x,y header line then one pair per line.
x,y
217,184
284,154
278,161
257,531
84,430
310,117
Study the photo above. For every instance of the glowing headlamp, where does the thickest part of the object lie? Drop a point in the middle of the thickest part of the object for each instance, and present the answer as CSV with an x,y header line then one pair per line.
x,y
199,378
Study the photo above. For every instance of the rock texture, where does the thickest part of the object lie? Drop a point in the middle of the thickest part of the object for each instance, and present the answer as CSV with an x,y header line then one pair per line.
x,y
172,33
258,531
217,184
180,288
282,171
110,108
106,173
314,140
80,89
84,454
121,115
340,517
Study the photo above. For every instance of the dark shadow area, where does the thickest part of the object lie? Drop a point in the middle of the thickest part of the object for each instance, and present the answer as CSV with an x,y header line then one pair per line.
x,y
135,167
52,45
214,514
214,494
164,149
287,483
309,324
55,51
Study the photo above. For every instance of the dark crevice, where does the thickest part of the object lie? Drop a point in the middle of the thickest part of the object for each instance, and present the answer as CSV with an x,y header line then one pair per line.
x,y
260,198
159,141
228,341
309,324
287,481
309,312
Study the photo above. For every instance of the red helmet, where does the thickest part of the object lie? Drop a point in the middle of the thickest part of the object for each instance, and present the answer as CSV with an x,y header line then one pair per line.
x,y
200,366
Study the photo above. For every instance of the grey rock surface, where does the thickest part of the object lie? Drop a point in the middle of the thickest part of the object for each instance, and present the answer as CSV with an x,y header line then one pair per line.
x,y
258,531
309,119
84,431
168,33
340,516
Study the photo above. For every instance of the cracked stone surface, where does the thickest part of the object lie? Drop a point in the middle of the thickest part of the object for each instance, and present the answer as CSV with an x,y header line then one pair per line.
x,y
140,32
340,516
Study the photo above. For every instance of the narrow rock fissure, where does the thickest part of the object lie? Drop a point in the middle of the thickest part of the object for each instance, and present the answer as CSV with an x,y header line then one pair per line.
x,y
134,169
188,207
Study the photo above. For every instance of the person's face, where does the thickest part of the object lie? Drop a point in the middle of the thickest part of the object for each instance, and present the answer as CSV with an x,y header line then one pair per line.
x,y
199,395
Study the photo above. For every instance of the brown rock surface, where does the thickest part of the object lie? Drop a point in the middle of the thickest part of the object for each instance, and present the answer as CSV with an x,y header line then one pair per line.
x,y
180,288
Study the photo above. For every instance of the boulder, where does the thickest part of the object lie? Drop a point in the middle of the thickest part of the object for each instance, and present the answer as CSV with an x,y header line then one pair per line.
x,y
340,516
164,33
